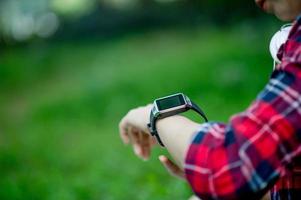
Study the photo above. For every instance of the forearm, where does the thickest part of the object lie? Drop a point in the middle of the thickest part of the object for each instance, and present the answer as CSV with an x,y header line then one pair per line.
x,y
176,133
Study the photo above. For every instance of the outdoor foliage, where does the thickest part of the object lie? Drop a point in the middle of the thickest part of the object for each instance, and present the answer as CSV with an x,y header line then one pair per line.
x,y
61,102
30,19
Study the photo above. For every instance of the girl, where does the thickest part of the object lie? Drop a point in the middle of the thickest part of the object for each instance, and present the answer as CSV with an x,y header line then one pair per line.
x,y
258,150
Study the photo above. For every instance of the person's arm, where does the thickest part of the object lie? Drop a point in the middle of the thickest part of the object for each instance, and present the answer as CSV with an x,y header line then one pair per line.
x,y
176,133
236,160
243,158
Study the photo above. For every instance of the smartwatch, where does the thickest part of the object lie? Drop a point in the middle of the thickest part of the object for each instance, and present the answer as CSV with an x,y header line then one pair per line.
x,y
169,106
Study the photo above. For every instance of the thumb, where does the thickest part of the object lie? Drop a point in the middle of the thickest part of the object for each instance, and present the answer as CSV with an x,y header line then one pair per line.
x,y
171,167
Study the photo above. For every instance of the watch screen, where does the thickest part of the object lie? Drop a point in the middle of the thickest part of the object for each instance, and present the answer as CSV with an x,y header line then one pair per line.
x,y
170,102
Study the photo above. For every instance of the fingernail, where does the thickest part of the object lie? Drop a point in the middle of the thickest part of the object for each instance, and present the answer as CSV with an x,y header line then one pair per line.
x,y
137,150
162,158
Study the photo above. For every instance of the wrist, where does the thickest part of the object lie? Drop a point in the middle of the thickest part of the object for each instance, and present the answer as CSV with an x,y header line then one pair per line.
x,y
174,124
168,106
176,133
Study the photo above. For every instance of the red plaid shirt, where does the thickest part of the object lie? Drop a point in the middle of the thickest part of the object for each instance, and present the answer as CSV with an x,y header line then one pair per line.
x,y
259,150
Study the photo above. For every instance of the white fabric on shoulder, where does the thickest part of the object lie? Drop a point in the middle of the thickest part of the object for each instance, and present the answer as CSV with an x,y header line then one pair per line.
x,y
278,40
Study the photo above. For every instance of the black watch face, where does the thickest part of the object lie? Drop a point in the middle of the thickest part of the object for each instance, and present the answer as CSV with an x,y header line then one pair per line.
x,y
170,102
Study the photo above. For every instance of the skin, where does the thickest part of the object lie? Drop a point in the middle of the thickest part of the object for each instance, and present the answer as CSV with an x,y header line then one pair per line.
x,y
285,10
133,126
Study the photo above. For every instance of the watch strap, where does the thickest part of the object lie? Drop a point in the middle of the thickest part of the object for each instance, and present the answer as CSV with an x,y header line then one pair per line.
x,y
152,125
153,129
197,109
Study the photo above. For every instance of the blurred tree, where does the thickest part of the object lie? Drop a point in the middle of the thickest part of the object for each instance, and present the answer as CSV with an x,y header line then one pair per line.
x,y
21,20
73,8
147,2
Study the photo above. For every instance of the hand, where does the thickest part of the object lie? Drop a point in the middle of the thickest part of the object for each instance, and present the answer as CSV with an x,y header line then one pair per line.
x,y
172,168
133,130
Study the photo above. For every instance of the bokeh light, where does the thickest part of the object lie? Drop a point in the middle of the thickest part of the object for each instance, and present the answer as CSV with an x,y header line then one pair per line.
x,y
72,7
46,25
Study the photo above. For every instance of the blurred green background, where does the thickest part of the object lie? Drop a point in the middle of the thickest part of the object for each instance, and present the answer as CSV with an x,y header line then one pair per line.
x,y
69,71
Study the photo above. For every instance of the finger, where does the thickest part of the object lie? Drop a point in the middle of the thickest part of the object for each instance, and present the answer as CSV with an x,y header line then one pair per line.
x,y
134,136
171,167
123,132
146,145
193,197
153,141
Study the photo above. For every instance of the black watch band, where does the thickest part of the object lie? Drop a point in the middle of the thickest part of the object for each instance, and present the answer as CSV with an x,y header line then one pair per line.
x,y
152,125
153,129
197,109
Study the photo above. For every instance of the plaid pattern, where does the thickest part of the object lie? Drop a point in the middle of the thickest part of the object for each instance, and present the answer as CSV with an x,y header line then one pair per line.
x,y
260,148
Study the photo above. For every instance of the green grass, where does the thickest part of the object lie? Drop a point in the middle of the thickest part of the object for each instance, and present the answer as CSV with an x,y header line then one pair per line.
x,y
60,105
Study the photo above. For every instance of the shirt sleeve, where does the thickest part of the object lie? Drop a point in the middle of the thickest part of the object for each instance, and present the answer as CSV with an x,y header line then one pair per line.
x,y
245,157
